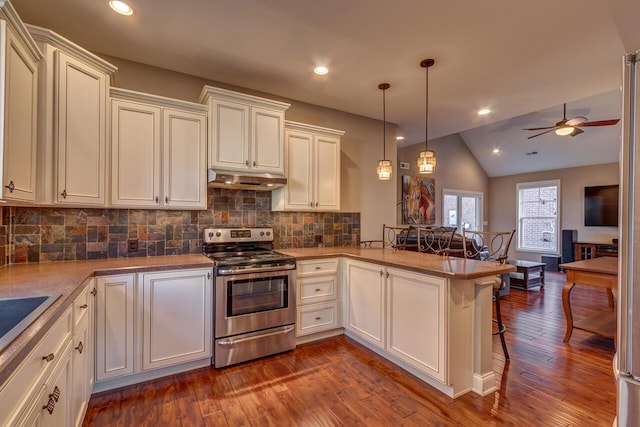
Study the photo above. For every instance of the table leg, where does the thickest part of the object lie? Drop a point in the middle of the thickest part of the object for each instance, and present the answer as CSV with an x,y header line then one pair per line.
x,y
542,277
566,304
525,277
610,297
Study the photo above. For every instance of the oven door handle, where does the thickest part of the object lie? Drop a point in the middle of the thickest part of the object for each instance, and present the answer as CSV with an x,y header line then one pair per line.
x,y
228,271
232,341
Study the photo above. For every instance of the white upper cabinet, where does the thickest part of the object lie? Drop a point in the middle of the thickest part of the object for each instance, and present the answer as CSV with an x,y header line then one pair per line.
x,y
19,58
73,87
158,148
312,167
246,133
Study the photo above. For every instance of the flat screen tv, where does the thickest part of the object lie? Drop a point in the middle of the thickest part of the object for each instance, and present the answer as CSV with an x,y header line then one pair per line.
x,y
601,206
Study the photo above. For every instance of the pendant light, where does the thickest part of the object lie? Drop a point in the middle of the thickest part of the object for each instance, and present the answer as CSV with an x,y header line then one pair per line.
x,y
384,166
427,158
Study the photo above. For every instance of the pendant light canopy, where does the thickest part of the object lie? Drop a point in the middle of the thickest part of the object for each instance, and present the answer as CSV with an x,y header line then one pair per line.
x,y
384,166
427,158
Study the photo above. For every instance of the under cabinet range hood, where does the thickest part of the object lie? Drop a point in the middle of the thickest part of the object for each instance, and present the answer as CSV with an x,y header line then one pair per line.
x,y
245,181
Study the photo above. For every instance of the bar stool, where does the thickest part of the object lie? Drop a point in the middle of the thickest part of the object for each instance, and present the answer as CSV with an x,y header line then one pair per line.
x,y
392,237
434,239
491,246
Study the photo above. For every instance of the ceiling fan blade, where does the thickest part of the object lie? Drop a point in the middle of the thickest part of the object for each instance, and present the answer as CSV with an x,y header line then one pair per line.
x,y
600,123
542,133
544,128
575,132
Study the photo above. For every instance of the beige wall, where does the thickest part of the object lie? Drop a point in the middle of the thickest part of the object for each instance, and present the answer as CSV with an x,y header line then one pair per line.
x,y
456,169
361,144
503,214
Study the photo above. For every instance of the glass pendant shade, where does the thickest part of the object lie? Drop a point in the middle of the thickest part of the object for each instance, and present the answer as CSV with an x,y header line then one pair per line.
x,y
427,158
384,170
426,161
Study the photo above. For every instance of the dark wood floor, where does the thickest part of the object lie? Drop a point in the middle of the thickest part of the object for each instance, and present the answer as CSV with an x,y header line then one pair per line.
x,y
337,382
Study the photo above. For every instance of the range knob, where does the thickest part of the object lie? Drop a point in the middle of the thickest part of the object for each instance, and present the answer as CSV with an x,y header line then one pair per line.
x,y
218,234
262,233
268,233
210,234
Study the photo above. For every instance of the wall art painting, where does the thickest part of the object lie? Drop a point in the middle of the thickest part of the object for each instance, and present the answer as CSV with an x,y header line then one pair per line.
x,y
418,200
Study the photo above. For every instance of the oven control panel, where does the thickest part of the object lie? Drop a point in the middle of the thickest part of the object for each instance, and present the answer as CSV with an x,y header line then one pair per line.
x,y
230,235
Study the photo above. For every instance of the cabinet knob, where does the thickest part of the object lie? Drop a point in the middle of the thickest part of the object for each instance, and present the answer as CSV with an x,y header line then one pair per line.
x,y
49,357
80,347
311,204
254,164
318,318
94,292
318,289
387,274
64,194
208,275
11,186
166,199
318,267
316,204
157,199
246,162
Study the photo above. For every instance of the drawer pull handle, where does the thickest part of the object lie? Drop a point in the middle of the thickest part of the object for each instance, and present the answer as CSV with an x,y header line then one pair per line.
x,y
94,292
49,357
318,318
55,394
51,404
80,347
83,306
318,289
318,268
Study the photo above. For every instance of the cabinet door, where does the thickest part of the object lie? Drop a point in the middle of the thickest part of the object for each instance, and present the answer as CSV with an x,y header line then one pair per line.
x,y
59,384
416,309
135,154
229,135
20,118
327,173
114,326
184,161
176,317
299,171
267,140
81,363
364,304
81,132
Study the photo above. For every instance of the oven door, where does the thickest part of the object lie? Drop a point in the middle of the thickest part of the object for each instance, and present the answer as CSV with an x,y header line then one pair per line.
x,y
254,301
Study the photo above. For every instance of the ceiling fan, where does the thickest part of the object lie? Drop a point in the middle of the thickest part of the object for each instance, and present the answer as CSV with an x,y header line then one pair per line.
x,y
571,127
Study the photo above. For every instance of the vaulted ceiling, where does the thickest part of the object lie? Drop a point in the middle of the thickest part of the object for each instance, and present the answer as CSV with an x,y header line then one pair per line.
x,y
515,57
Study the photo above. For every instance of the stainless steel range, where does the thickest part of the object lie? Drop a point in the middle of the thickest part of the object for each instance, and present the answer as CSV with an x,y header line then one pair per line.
x,y
255,303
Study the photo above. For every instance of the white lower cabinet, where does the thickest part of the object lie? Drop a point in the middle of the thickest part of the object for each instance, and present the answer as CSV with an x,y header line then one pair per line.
x,y
152,320
365,301
400,312
176,317
317,293
417,315
82,353
33,384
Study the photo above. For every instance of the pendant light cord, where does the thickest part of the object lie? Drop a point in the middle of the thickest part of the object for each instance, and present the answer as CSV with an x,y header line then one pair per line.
x,y
426,114
384,125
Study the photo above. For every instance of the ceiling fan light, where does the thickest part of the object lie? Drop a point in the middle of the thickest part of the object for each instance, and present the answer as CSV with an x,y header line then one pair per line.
x,y
384,170
426,162
565,130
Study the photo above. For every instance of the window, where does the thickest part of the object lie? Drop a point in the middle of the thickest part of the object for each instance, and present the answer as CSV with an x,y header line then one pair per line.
x,y
462,209
538,213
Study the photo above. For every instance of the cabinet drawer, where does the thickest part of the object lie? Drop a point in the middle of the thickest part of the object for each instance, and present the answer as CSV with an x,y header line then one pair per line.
x,y
316,318
17,391
317,266
82,303
316,289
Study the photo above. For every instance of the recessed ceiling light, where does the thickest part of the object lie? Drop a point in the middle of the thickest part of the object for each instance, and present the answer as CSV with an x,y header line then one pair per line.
x,y
484,112
400,138
121,7
496,150
321,70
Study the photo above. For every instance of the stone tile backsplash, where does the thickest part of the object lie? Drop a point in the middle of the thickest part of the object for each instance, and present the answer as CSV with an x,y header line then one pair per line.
x,y
35,234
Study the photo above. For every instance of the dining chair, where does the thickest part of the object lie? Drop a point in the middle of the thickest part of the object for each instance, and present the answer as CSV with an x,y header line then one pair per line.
x,y
434,239
491,246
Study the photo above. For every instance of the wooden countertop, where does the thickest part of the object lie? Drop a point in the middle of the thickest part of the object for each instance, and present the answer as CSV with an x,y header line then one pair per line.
x,y
65,279
447,267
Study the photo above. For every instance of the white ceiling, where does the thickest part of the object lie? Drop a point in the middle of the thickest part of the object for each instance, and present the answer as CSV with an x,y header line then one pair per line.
x,y
515,57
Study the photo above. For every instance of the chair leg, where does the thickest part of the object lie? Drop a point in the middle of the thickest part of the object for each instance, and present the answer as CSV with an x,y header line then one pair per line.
x,y
501,327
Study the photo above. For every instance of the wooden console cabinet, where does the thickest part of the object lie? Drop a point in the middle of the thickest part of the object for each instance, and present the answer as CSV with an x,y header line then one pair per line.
x,y
594,250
